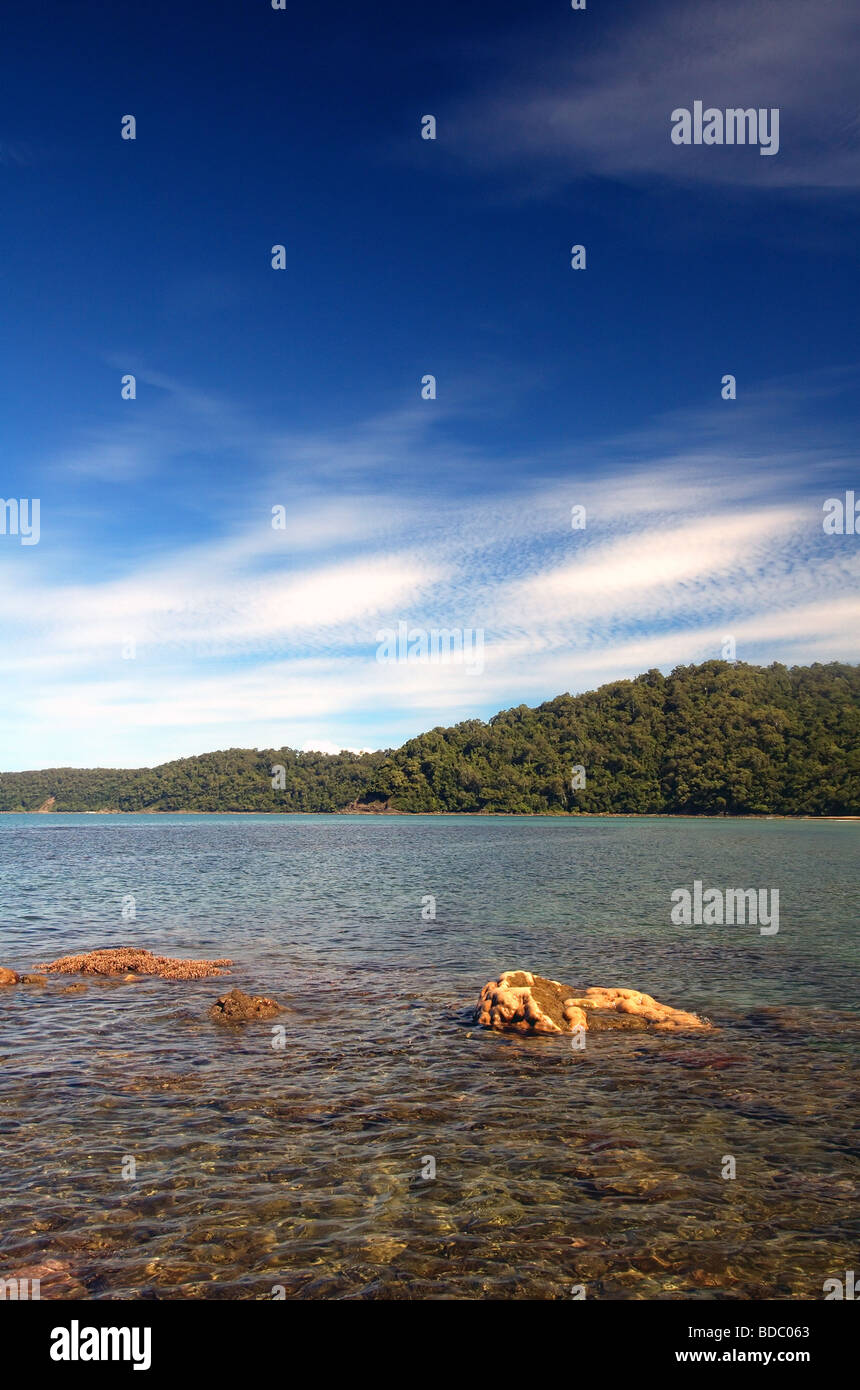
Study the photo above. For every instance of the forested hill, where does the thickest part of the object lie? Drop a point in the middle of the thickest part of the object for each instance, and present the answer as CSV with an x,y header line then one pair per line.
x,y
716,738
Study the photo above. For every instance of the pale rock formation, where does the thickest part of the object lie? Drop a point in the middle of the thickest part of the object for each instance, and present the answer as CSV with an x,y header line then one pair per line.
x,y
527,1003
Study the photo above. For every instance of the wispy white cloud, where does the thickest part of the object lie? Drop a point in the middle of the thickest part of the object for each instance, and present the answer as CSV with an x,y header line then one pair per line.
x,y
269,637
247,634
602,105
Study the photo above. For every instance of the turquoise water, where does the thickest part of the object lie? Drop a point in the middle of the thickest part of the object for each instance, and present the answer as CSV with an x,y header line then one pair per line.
x,y
301,1169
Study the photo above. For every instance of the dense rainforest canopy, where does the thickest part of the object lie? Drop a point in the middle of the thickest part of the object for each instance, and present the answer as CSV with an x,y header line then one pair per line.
x,y
719,738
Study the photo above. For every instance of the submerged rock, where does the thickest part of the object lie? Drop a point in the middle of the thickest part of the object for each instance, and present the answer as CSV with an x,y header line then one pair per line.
x,y
119,960
8,977
527,1003
51,1279
237,1007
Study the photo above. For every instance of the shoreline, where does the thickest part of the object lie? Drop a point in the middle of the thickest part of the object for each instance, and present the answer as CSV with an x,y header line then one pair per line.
x,y
474,815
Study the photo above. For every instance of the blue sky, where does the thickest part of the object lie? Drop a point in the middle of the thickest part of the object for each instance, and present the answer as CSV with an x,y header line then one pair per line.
x,y
301,388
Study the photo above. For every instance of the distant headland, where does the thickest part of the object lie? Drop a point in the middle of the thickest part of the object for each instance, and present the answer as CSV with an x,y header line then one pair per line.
x,y
717,739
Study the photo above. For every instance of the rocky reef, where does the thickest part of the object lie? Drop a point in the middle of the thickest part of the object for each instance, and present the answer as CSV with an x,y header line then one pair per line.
x,y
237,1007
527,1003
125,960
126,964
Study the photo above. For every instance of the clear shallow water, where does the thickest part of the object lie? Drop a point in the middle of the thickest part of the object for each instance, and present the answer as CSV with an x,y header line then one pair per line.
x,y
302,1168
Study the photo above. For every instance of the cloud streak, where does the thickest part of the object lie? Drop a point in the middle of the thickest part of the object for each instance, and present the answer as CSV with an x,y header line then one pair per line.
x,y
605,109
266,637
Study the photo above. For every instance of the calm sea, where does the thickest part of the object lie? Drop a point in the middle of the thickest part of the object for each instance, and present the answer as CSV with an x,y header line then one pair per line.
x,y
304,1168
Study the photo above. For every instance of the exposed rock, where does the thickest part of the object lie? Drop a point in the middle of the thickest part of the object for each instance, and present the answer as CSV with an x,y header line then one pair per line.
x,y
119,960
631,1003
529,1003
237,1007
34,979
74,989
8,977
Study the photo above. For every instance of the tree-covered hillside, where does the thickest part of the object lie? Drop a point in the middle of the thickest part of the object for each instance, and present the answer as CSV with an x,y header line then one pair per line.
x,y
710,739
